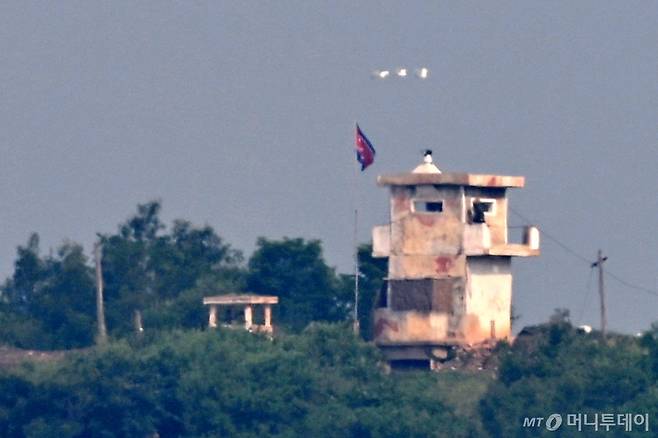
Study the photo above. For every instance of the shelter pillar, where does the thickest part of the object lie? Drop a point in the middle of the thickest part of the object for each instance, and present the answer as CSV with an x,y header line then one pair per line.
x,y
248,316
268,316
212,317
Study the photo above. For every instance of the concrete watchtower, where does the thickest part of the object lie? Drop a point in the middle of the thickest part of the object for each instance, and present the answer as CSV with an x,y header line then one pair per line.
x,y
449,261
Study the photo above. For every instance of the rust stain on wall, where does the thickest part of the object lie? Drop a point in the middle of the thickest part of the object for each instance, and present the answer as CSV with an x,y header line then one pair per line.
x,y
383,324
424,266
471,328
443,264
453,204
426,220
410,327
401,203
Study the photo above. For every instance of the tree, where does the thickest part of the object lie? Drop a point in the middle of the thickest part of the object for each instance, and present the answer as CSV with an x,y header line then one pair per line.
x,y
28,271
188,254
164,274
321,382
49,302
556,369
295,271
372,273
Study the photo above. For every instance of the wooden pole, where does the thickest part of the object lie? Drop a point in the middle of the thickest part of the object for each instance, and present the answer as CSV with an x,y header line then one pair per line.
x,y
101,337
604,319
137,322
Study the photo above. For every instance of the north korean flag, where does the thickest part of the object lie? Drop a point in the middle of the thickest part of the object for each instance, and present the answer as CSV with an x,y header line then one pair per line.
x,y
365,153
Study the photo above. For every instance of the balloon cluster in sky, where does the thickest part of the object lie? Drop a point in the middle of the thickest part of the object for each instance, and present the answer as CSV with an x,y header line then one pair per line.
x,y
401,72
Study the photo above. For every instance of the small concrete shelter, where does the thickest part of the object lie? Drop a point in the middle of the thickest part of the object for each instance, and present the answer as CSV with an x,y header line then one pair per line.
x,y
248,302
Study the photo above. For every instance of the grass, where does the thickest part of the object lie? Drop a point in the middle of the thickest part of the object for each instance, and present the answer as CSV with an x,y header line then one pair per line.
x,y
462,390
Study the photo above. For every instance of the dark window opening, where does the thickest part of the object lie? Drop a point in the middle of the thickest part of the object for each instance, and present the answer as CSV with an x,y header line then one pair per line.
x,y
428,206
410,365
479,210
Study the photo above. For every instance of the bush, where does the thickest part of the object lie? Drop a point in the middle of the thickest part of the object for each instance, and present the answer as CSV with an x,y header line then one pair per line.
x,y
559,370
322,382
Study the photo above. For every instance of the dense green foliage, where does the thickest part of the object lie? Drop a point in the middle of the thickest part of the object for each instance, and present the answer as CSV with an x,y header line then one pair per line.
x,y
49,302
560,370
163,274
323,382
372,272
295,271
313,379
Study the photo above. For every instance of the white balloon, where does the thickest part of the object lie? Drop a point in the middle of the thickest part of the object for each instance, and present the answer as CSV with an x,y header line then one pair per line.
x,y
423,72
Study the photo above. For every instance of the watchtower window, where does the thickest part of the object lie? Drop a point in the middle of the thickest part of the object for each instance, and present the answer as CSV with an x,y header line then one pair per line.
x,y
423,206
482,208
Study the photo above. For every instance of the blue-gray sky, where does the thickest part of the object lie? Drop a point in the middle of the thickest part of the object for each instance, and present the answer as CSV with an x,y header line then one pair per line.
x,y
241,114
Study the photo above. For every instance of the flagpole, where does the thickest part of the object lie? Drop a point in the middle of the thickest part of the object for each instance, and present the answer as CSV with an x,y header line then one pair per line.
x,y
356,273
355,322
365,156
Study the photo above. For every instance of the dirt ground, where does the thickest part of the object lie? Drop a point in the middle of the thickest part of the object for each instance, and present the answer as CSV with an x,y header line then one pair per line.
x,y
10,356
476,358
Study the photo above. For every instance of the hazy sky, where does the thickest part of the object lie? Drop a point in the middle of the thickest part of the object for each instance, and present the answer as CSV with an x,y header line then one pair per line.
x,y
241,114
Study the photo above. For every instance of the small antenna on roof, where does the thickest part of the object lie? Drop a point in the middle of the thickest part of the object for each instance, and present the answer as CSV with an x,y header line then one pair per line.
x,y
427,165
427,156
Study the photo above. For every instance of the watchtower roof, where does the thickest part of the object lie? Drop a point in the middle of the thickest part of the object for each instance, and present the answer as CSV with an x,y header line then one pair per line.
x,y
451,179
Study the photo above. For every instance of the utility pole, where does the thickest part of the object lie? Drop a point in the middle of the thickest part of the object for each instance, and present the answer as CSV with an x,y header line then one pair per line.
x,y
599,264
101,337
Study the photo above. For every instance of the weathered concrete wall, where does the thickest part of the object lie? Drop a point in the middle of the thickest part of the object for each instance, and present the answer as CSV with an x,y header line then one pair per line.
x,y
426,233
410,327
477,239
426,266
488,298
426,245
427,312
381,241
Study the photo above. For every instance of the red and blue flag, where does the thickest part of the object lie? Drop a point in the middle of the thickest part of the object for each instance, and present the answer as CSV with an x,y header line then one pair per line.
x,y
365,152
